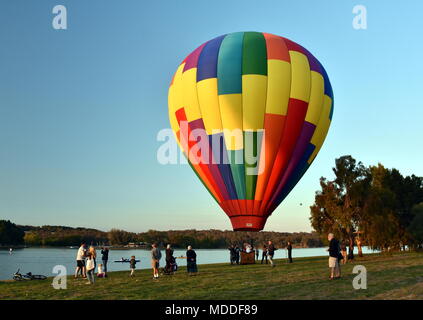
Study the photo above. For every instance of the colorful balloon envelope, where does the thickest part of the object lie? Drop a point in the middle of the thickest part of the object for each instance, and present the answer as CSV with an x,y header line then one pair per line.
x,y
250,111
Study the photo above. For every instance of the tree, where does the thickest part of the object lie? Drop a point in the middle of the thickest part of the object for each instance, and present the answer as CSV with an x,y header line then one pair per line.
x,y
416,226
374,205
389,209
338,207
380,224
120,237
10,233
32,239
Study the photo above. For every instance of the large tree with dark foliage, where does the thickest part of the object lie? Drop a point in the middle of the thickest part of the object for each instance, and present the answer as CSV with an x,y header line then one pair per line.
x,y
10,234
416,226
338,206
373,202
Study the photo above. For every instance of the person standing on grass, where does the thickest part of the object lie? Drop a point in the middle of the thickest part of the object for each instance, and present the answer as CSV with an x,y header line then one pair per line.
x,y
156,255
170,260
93,253
257,253
335,270
90,268
264,253
344,252
271,252
80,261
237,254
191,261
105,258
132,263
232,254
289,249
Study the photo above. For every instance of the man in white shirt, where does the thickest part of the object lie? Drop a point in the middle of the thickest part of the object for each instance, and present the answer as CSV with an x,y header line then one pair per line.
x,y
80,261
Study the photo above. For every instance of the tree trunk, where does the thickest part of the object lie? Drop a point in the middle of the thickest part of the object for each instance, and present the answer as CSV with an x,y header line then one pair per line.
x,y
351,249
359,247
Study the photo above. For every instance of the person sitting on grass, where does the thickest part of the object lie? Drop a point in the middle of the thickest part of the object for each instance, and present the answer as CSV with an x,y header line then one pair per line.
x,y
100,271
132,263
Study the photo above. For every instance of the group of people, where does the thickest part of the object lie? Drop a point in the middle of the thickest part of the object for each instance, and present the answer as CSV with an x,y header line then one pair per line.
x,y
268,251
86,259
171,265
86,262
337,255
234,254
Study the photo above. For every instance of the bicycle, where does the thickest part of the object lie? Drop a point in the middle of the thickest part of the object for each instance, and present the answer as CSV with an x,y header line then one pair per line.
x,y
28,276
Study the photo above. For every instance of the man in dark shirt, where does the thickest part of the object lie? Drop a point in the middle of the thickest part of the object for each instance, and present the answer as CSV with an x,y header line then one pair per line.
x,y
232,254
237,254
335,270
289,249
170,260
105,258
264,254
191,261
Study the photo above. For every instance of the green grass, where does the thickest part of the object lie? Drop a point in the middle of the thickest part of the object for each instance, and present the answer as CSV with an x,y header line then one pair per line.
x,y
397,276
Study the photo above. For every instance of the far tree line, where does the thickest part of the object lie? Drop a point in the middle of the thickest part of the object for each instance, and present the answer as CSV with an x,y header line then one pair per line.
x,y
205,239
373,206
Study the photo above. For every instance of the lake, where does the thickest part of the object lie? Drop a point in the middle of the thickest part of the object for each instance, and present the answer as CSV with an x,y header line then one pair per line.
x,y
42,260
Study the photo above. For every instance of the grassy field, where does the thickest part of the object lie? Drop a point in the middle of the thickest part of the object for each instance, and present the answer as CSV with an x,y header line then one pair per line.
x,y
397,276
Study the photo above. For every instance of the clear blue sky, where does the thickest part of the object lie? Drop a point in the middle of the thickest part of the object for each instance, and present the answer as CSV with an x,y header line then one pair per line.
x,y
80,108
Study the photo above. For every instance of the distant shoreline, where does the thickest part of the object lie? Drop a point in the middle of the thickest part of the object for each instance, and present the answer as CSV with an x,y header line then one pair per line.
x,y
15,247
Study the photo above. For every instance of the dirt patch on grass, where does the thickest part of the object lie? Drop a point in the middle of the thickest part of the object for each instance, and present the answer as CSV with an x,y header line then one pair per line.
x,y
413,292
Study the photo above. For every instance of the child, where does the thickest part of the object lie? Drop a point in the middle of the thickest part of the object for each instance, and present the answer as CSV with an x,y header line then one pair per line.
x,y
100,271
90,269
132,265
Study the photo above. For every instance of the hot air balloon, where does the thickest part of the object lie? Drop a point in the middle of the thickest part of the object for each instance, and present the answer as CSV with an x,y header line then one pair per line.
x,y
250,93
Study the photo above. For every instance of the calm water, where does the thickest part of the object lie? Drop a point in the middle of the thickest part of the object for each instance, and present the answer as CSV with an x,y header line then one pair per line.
x,y
42,260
